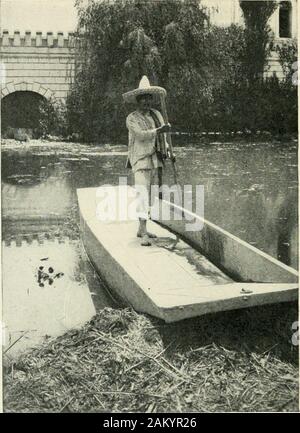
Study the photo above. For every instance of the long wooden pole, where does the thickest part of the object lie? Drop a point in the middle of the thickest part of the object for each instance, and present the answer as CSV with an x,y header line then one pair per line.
x,y
169,138
172,156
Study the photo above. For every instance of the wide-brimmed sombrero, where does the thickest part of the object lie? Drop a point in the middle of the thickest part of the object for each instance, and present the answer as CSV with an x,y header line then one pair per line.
x,y
143,89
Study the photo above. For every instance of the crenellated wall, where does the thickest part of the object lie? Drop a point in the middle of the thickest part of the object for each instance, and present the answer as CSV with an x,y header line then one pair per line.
x,y
43,63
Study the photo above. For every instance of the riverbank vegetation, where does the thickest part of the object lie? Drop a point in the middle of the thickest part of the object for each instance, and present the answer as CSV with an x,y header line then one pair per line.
x,y
213,75
124,361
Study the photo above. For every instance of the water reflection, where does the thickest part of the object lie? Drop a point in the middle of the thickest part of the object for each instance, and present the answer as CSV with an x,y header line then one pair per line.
x,y
67,296
50,194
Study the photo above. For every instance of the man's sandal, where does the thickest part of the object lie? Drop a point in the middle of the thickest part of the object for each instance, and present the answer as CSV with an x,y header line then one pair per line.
x,y
150,235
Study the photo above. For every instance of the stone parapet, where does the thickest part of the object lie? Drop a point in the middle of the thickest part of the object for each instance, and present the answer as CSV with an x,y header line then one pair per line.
x,y
37,39
37,62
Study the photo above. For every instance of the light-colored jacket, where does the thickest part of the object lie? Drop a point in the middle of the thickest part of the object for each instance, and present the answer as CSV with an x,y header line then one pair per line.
x,y
141,139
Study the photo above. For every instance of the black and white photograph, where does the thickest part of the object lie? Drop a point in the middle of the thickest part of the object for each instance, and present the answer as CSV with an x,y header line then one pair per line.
x,y
149,208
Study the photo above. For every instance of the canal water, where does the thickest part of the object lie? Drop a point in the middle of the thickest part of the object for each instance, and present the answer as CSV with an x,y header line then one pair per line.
x,y
49,285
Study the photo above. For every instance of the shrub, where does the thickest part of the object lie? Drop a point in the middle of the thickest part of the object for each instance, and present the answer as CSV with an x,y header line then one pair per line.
x,y
52,118
288,56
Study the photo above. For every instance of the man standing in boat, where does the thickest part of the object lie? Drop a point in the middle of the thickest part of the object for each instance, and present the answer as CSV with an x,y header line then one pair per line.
x,y
147,148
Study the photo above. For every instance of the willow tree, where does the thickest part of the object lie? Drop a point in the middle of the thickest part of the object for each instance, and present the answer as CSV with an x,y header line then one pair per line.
x,y
125,39
143,58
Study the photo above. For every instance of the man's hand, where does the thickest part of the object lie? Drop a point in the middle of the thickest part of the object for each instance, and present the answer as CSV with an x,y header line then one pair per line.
x,y
164,128
171,157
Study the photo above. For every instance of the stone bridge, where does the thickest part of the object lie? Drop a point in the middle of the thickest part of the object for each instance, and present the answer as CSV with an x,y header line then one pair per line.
x,y
39,63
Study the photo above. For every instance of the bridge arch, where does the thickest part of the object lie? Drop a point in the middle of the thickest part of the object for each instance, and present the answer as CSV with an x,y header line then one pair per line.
x,y
27,87
25,111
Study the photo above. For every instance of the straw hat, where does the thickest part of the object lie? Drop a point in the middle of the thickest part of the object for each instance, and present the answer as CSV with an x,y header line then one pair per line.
x,y
144,89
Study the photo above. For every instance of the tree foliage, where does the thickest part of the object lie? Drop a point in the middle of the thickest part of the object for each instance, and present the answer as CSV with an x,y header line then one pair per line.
x,y
267,103
212,74
257,36
288,56
121,41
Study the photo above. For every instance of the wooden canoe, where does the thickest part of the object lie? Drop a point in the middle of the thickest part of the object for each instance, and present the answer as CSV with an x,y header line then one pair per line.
x,y
171,280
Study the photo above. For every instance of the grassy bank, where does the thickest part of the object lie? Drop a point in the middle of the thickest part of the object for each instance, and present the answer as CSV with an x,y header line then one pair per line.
x,y
124,361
